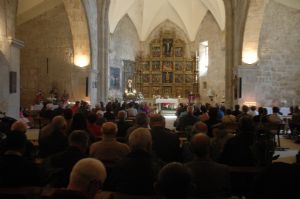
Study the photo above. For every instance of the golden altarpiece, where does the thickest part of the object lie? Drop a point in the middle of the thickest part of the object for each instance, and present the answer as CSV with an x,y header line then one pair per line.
x,y
166,72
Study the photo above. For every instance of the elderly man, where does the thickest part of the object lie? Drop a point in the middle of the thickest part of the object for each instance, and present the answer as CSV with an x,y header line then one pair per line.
x,y
188,120
29,151
109,150
15,170
59,166
136,173
211,179
57,140
165,144
86,180
174,182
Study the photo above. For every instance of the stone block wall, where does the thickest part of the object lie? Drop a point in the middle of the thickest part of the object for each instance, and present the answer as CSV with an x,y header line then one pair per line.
x,y
47,58
279,61
215,78
124,45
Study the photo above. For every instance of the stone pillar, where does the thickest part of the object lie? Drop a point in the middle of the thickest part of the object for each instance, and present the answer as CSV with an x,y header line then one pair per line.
x,y
92,16
236,14
14,98
103,45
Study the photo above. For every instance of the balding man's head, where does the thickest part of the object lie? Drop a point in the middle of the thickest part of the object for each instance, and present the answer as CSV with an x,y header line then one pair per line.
x,y
140,139
141,119
87,172
200,145
18,126
59,123
122,115
109,130
199,127
157,120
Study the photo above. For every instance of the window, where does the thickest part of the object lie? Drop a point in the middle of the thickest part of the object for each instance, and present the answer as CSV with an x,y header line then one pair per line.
x,y
203,58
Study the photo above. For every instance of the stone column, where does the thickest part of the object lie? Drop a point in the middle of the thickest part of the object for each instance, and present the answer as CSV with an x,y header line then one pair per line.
x,y
236,14
103,45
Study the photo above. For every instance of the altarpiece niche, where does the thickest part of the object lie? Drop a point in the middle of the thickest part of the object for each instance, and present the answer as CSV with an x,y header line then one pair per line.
x,y
166,72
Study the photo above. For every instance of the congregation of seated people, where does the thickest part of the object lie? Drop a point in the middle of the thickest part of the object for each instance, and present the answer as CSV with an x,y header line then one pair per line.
x,y
127,149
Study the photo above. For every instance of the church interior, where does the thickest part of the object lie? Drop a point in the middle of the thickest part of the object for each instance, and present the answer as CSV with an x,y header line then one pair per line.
x,y
199,71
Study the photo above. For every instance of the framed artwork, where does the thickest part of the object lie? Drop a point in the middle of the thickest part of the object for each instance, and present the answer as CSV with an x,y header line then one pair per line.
x,y
156,78
167,77
146,78
155,51
168,47
179,78
167,90
189,66
156,90
114,78
167,66
189,79
179,66
156,66
12,82
178,51
178,91
146,66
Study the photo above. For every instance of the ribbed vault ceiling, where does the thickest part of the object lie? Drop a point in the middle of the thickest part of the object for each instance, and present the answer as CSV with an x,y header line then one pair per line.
x,y
148,14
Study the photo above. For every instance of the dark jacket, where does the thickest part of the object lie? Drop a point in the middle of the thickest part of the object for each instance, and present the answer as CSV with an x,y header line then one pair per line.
x,y
136,173
17,171
59,166
165,144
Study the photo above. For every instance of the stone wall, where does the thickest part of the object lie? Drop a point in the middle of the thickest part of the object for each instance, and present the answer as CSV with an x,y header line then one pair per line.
x,y
215,78
124,45
47,58
9,58
279,49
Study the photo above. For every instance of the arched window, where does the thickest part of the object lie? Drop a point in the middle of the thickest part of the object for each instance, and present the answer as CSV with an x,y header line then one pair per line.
x,y
203,58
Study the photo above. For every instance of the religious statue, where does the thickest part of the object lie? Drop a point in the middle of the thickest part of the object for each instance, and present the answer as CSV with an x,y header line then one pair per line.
x,y
39,96
168,44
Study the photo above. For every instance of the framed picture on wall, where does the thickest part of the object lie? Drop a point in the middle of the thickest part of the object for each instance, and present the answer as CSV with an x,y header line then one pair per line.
x,y
114,78
12,82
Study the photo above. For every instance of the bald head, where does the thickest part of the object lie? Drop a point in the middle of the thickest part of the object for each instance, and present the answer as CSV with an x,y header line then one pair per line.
x,y
85,172
157,120
199,127
18,126
200,145
109,129
59,122
140,139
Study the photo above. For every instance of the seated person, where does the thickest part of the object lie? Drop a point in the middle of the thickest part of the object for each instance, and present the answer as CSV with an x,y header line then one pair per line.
x,y
123,125
15,170
174,182
211,179
58,166
86,180
165,144
136,173
109,150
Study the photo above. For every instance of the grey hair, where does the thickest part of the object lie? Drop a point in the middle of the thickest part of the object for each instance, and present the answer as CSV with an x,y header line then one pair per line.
x,y
140,138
